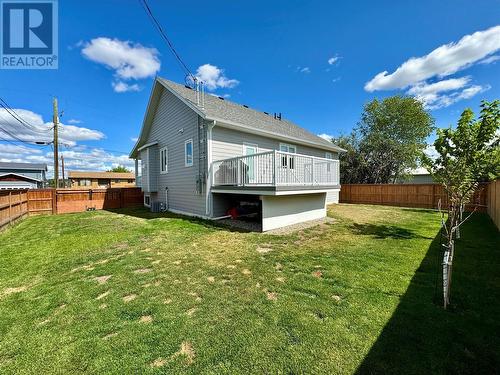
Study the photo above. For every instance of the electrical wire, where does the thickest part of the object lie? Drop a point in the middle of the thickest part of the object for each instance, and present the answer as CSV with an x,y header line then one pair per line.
x,y
165,37
18,118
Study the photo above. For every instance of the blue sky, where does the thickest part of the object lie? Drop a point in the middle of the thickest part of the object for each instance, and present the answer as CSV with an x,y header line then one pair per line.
x,y
270,55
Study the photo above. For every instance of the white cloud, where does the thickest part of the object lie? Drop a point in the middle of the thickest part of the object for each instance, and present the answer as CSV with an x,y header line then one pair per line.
x,y
443,61
120,86
74,121
336,79
214,78
305,69
128,60
39,130
332,60
446,92
490,60
134,139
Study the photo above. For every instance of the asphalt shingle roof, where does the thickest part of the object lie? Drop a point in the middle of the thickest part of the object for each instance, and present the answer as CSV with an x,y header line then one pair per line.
x,y
25,166
237,113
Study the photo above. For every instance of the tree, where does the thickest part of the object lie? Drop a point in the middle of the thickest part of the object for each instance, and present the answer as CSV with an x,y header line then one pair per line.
x,y
467,156
120,169
387,142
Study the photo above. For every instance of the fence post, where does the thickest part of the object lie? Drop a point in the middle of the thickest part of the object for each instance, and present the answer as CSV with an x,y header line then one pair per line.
x,y
10,207
54,201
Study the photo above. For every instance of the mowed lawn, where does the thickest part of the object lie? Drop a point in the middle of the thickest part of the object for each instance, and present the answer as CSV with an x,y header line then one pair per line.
x,y
133,292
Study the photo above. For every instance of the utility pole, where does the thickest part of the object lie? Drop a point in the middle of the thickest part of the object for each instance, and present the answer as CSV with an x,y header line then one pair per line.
x,y
62,167
56,144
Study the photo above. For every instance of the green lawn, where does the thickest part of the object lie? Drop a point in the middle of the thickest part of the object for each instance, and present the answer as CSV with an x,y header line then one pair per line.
x,y
130,292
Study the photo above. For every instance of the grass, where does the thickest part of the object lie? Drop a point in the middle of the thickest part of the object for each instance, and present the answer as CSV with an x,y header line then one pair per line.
x,y
131,292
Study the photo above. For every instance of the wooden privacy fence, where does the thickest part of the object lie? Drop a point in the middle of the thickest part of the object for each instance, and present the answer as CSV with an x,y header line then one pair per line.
x,y
15,204
494,201
406,195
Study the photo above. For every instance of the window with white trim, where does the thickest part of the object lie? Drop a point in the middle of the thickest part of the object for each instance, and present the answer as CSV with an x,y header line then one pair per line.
x,y
163,160
188,153
288,161
329,155
147,200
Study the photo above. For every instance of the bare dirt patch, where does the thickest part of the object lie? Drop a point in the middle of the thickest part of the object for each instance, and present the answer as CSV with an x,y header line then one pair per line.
x,y
187,351
264,250
231,266
129,298
103,295
177,262
168,301
9,291
272,296
143,270
191,311
159,362
211,279
280,279
102,279
110,335
318,274
336,298
156,261
246,272
146,319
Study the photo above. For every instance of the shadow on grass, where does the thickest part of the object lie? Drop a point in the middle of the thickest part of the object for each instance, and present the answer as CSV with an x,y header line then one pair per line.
x,y
144,213
422,338
384,231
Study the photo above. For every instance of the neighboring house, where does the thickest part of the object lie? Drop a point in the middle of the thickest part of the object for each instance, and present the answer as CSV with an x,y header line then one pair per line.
x,y
202,155
419,176
23,176
89,180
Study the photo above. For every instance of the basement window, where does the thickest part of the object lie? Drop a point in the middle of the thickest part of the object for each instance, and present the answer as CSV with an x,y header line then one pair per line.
x,y
147,200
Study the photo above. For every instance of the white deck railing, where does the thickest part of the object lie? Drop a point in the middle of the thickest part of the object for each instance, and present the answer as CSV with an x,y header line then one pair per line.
x,y
275,168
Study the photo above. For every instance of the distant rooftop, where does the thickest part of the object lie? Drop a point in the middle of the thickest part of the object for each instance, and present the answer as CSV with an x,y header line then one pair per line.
x,y
110,175
23,166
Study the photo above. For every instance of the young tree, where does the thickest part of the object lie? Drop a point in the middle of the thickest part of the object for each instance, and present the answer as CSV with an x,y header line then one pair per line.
x,y
387,141
120,169
467,155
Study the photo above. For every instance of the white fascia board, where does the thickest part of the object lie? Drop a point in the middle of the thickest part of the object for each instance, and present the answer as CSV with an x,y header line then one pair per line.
x,y
246,129
147,145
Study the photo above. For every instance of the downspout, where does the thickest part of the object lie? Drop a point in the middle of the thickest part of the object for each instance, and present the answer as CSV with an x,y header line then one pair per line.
x,y
208,197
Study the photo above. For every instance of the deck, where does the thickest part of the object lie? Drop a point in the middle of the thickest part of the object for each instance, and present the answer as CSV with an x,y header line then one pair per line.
x,y
275,171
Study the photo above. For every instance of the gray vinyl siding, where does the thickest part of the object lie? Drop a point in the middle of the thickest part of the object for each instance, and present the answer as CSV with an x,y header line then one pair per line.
x,y
228,143
173,124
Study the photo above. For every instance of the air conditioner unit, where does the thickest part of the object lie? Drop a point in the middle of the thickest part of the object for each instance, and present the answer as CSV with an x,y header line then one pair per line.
x,y
158,207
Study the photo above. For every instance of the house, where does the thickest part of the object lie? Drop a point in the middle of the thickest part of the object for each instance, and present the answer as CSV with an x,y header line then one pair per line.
x,y
419,176
205,156
22,176
89,180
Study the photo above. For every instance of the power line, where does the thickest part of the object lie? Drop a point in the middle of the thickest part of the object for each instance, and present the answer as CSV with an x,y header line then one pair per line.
x,y
18,118
165,37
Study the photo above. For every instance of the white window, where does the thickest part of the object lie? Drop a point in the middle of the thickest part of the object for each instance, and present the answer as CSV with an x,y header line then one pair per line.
x,y
329,155
188,153
147,200
285,147
163,160
288,161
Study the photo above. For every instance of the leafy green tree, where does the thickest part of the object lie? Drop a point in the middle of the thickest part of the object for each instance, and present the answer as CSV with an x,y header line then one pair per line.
x,y
467,155
387,142
120,169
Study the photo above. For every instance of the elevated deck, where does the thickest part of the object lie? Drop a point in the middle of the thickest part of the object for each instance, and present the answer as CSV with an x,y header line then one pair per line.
x,y
275,173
